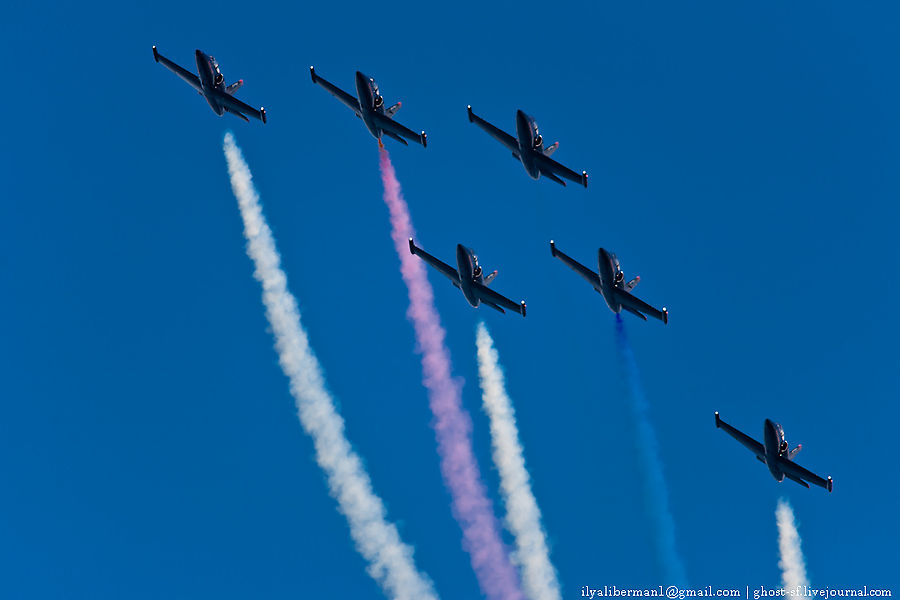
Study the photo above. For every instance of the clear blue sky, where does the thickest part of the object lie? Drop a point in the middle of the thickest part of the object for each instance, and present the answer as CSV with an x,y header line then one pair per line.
x,y
742,161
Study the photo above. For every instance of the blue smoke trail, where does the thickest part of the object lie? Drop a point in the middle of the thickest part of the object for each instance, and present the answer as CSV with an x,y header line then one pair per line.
x,y
656,496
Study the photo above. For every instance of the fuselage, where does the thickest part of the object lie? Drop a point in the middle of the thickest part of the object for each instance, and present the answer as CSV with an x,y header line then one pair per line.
x,y
775,446
370,102
469,272
211,80
530,141
610,277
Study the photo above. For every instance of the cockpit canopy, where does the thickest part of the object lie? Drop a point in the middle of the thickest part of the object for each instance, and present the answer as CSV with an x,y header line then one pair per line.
x,y
782,443
219,78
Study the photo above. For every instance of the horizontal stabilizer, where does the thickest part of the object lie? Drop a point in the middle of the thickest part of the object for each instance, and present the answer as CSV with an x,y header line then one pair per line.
x,y
394,136
632,284
795,452
385,123
492,305
553,177
634,312
551,149
797,479
242,115
490,277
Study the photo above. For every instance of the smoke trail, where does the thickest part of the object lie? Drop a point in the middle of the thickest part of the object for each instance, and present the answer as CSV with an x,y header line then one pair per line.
x,y
523,517
390,561
452,425
655,491
793,567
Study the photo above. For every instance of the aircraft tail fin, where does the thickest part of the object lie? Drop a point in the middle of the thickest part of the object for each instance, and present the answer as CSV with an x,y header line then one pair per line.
x,y
631,284
794,452
490,277
231,89
551,149
393,109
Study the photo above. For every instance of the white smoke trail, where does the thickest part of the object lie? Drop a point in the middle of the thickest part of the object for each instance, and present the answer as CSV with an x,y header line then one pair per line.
x,y
390,561
793,567
523,517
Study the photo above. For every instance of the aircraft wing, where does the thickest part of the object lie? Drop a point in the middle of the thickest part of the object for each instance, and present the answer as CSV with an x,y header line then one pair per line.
x,y
550,167
489,296
191,79
351,101
791,468
499,135
751,444
388,124
234,104
438,264
634,303
576,266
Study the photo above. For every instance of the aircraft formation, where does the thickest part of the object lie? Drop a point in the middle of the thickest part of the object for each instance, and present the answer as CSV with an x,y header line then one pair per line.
x,y
527,146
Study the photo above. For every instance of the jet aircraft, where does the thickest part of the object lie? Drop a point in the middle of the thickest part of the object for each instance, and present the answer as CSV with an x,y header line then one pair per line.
x,y
528,147
368,105
469,277
775,454
211,85
610,282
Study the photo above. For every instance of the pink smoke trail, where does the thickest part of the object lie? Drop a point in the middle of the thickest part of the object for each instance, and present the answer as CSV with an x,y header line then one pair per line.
x,y
452,425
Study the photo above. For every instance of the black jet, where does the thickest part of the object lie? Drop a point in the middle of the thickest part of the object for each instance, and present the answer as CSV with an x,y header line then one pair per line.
x,y
368,105
528,147
775,454
211,85
610,282
469,277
